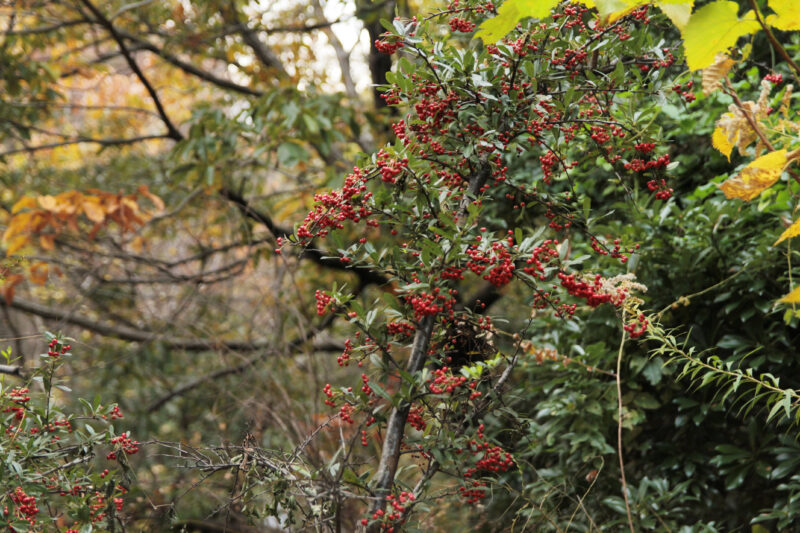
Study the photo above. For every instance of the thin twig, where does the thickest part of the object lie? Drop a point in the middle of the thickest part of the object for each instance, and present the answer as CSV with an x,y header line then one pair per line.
x,y
774,42
619,428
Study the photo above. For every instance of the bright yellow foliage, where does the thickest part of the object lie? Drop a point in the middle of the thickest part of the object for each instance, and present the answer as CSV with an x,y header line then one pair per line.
x,y
721,142
792,298
787,17
508,16
791,231
713,29
678,13
756,177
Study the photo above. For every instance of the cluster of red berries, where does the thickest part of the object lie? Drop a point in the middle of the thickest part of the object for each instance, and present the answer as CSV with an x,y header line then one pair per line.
x,y
416,419
99,499
123,443
590,291
639,165
462,25
541,255
344,359
444,381
26,508
334,207
389,44
54,351
18,396
490,460
660,188
452,272
53,426
390,168
365,388
387,519
326,390
636,328
774,78
686,94
427,304
502,270
401,329
346,413
323,300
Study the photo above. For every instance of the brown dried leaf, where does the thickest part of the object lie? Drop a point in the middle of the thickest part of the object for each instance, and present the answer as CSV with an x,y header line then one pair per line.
x,y
713,75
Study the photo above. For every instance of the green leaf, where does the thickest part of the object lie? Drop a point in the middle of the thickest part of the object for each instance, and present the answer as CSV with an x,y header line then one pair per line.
x,y
713,29
291,153
616,503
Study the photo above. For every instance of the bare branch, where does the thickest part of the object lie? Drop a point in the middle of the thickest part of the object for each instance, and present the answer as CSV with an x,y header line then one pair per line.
x,y
50,28
84,140
238,369
322,258
132,334
11,370
172,131
188,68
265,55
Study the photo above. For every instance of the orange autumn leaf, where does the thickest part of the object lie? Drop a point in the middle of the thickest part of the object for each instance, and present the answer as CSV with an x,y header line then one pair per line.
x,y
9,283
93,210
38,273
155,200
47,241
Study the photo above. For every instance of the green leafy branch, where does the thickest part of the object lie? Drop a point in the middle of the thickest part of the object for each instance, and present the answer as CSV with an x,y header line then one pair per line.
x,y
743,384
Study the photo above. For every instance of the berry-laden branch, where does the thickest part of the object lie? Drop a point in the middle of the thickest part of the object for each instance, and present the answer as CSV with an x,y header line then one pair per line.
x,y
482,188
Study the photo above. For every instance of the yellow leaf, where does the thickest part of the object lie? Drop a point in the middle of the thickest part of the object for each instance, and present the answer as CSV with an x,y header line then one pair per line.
x,y
713,29
713,75
93,210
737,127
791,231
508,16
48,202
787,17
612,10
16,243
678,13
28,202
792,298
18,224
756,177
720,141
